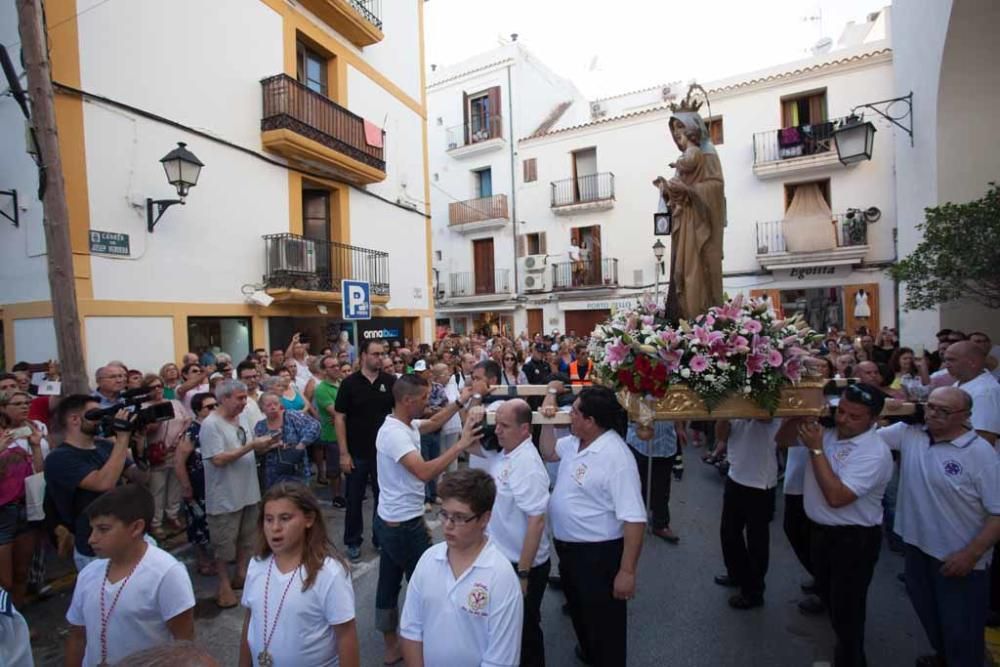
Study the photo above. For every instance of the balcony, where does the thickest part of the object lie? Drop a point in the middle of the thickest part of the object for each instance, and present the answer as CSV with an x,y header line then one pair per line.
x,y
594,192
846,242
483,284
480,135
310,270
313,130
476,215
796,150
360,21
573,275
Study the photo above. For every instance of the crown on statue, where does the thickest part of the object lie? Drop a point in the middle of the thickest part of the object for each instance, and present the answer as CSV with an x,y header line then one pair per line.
x,y
688,103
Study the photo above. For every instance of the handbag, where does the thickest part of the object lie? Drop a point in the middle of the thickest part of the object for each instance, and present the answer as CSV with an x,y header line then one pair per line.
x,y
34,496
156,453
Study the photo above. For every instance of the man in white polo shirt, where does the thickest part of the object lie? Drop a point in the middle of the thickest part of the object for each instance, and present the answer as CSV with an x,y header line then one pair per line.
x,y
597,517
399,525
949,520
966,362
517,524
848,471
747,505
463,603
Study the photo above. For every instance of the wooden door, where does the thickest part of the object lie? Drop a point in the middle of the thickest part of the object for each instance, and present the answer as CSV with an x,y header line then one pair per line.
x,y
861,308
482,257
536,321
772,294
583,321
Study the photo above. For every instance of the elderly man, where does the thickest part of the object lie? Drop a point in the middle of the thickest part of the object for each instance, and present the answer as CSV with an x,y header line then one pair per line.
x,y
110,385
983,342
949,520
966,362
232,490
597,520
868,372
517,526
849,469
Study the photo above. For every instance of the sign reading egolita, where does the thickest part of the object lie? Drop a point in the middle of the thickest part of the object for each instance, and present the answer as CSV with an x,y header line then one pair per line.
x,y
109,243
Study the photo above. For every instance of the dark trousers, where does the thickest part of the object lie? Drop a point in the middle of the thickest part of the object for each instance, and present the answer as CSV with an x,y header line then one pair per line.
x,y
660,496
532,639
364,472
402,545
995,580
430,448
588,572
951,609
745,536
797,529
843,559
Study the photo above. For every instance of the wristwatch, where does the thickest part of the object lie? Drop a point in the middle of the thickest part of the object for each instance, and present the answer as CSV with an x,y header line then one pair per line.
x,y
552,391
523,574
816,452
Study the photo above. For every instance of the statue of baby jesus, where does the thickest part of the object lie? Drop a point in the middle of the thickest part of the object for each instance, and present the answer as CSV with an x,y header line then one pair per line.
x,y
686,169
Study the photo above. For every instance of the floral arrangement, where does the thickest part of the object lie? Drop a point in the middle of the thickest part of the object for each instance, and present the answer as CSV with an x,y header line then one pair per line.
x,y
738,348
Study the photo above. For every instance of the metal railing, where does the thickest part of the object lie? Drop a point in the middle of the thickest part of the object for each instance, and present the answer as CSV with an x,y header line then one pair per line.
x,y
583,189
294,261
477,210
290,105
567,275
792,142
467,283
370,9
847,233
475,131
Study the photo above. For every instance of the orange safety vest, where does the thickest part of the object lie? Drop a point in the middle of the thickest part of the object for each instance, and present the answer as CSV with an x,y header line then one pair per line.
x,y
574,375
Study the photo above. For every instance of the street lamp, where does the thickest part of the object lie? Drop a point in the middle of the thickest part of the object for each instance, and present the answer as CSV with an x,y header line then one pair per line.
x,y
854,140
658,249
182,169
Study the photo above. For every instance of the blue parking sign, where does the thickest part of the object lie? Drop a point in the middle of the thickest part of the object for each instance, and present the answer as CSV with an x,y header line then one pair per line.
x,y
357,299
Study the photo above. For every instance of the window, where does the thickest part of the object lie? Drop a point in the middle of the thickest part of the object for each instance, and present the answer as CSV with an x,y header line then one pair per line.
x,y
311,69
482,115
805,109
823,185
715,130
231,335
530,170
437,255
535,243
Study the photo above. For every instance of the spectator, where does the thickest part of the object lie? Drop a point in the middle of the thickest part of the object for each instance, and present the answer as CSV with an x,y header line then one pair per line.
x,y
510,370
189,358
295,431
885,345
904,370
966,363
133,379
581,368
157,607
536,370
224,365
161,440
288,390
171,377
82,468
983,342
344,345
430,443
248,373
110,385
390,366
328,467
451,430
232,490
193,382
190,471
277,361
662,450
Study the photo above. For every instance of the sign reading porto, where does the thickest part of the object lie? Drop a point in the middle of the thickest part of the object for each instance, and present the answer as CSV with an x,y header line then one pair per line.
x,y
357,299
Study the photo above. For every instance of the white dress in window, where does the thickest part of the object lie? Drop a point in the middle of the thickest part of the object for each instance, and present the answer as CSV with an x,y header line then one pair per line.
x,y
861,307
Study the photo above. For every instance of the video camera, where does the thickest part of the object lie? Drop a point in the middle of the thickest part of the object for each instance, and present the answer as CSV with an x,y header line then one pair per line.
x,y
131,400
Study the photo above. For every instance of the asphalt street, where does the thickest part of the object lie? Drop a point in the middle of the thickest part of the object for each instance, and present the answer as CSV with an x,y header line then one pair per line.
x,y
679,617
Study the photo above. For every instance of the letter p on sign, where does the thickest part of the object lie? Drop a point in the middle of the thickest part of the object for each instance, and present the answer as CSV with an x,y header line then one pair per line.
x,y
356,297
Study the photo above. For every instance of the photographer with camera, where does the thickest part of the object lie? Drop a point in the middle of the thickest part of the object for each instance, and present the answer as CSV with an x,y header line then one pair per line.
x,y
83,467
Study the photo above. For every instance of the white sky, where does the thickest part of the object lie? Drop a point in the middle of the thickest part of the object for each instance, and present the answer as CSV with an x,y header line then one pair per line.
x,y
640,43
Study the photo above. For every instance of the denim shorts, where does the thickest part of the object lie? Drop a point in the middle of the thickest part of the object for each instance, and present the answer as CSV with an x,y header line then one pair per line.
x,y
13,522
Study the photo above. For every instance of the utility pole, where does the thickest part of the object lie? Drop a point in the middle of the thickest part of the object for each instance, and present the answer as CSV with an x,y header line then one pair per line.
x,y
56,211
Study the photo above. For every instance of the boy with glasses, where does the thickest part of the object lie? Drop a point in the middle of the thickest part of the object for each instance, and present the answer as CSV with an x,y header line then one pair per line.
x,y
463,604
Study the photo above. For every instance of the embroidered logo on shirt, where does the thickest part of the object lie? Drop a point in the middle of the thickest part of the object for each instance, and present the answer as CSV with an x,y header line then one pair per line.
x,y
842,454
381,388
504,474
580,473
952,467
478,599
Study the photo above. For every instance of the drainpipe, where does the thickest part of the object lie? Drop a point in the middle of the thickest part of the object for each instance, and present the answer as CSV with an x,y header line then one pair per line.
x,y
513,177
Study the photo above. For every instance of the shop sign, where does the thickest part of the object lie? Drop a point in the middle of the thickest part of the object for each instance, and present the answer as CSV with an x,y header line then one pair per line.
x,y
813,272
606,304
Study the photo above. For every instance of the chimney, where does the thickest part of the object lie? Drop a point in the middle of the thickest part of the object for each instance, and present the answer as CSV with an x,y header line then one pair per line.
x,y
433,67
513,36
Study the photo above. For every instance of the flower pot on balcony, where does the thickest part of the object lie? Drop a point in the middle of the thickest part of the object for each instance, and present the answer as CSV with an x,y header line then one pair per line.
x,y
681,403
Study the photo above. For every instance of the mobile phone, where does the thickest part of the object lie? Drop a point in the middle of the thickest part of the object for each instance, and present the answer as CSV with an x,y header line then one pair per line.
x,y
21,432
50,388
275,436
918,351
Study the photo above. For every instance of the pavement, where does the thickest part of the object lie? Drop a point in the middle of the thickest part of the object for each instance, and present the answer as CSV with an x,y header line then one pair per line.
x,y
679,617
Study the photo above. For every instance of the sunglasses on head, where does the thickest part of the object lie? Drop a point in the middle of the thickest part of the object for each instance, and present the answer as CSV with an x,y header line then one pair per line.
x,y
860,395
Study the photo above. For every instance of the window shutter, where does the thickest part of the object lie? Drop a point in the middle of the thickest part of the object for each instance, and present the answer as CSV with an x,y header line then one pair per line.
x,y
522,245
817,108
495,122
542,250
465,118
530,170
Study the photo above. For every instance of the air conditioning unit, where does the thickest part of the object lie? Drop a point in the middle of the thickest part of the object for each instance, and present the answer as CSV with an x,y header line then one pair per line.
x,y
536,282
534,262
295,255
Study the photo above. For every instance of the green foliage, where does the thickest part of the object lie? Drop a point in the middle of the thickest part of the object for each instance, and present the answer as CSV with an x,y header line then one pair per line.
x,y
959,255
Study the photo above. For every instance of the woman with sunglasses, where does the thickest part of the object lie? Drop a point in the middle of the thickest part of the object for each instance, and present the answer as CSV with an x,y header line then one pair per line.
x,y
295,431
190,472
510,371
161,439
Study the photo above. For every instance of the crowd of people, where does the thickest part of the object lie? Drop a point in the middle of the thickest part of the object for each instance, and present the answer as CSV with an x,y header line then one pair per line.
x,y
233,454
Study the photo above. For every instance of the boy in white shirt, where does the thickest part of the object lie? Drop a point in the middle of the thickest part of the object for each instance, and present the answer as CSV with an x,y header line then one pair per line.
x,y
135,595
463,604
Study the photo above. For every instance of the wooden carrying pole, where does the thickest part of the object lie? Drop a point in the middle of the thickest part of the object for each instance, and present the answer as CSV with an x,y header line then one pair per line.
x,y
56,211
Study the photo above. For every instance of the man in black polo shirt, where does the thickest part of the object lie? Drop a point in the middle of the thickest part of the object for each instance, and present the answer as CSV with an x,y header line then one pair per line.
x,y
536,369
363,401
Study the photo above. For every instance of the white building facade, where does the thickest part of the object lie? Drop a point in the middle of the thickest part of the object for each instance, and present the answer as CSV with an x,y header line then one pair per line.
x,y
812,234
312,130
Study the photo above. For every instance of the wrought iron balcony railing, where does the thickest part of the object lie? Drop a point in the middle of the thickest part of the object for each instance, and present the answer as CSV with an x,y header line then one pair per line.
x,y
478,210
583,189
294,261
793,142
290,105
466,283
568,275
370,9
475,131
845,233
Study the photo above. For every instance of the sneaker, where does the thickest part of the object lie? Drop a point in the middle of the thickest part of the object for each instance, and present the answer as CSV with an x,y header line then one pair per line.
x,y
339,503
354,554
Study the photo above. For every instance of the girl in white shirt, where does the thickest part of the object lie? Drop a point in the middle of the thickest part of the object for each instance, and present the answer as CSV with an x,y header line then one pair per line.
x,y
298,592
